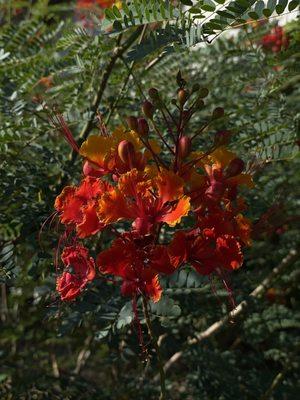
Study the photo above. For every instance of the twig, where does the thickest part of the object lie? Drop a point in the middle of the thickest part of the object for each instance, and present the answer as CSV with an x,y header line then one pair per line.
x,y
277,380
217,326
118,52
83,355
122,90
155,344
54,364
4,308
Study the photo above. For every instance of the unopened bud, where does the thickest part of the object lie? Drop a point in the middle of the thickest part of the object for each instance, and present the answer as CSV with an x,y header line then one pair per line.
x,y
199,103
148,109
235,167
184,146
222,137
143,127
90,169
182,96
195,87
153,93
126,152
203,92
132,122
218,113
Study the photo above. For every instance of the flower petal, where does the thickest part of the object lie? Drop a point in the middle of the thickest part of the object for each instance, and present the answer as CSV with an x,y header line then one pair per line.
x,y
180,210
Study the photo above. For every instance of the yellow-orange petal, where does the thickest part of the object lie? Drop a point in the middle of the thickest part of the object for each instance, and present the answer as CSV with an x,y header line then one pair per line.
x,y
153,289
120,133
129,181
181,210
112,207
222,156
242,179
97,148
244,228
170,185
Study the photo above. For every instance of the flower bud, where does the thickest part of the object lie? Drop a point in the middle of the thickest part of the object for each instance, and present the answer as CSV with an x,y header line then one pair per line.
x,y
199,103
184,146
218,113
153,93
90,170
203,93
182,96
132,122
235,167
195,87
143,127
126,152
148,109
222,137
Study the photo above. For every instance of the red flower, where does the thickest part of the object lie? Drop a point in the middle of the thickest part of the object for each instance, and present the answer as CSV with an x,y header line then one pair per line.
x,y
276,40
77,206
206,251
138,263
80,269
94,3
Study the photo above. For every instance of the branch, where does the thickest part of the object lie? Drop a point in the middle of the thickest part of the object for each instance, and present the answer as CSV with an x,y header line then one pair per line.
x,y
83,355
217,326
118,53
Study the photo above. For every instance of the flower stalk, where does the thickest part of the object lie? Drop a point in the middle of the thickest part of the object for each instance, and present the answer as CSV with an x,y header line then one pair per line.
x,y
156,347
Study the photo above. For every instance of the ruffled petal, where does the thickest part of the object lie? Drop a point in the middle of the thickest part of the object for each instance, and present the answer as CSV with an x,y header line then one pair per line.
x,y
90,224
170,185
174,216
97,148
113,207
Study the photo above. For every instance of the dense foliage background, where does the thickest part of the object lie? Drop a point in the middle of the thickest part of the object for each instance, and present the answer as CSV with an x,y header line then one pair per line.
x,y
72,60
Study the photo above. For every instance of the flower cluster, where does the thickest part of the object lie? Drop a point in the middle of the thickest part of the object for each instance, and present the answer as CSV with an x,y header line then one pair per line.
x,y
276,40
143,191
93,4
96,7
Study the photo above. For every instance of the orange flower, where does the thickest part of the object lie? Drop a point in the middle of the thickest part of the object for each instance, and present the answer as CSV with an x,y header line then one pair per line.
x,y
145,201
77,206
102,152
131,183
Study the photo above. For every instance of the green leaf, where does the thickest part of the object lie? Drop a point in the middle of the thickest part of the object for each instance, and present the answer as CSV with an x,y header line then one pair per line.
x,y
281,6
186,2
293,4
166,307
116,12
253,15
109,14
